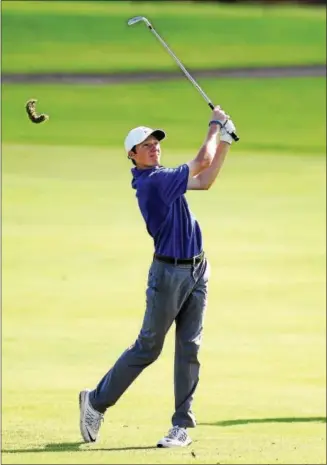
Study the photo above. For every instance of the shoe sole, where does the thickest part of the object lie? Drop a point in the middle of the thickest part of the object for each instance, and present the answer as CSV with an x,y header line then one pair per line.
x,y
168,445
84,432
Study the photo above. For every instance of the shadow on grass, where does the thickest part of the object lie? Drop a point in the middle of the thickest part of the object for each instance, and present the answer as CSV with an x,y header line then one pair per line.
x,y
76,446
246,421
71,447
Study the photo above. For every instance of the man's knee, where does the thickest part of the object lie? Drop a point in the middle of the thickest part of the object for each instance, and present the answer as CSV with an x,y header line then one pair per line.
x,y
188,350
149,346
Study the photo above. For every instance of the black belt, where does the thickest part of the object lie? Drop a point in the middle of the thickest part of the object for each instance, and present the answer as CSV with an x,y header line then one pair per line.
x,y
180,261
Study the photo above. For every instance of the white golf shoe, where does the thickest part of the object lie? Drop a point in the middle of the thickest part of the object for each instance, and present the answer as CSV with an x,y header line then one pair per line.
x,y
176,437
90,419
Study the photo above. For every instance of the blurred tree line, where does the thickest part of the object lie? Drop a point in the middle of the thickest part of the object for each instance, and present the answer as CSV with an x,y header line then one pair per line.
x,y
270,2
276,2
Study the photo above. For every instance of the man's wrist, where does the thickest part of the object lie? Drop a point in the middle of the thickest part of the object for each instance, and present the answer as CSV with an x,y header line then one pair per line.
x,y
213,132
217,122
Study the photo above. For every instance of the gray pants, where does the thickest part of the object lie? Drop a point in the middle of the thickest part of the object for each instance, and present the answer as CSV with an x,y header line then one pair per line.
x,y
174,293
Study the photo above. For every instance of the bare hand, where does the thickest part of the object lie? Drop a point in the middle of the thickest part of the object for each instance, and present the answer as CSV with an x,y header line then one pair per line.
x,y
219,114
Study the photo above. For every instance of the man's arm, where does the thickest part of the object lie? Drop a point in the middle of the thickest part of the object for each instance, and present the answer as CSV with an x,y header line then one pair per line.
x,y
207,177
207,152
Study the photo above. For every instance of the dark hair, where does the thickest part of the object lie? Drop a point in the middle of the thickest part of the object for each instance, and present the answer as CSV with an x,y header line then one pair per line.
x,y
133,149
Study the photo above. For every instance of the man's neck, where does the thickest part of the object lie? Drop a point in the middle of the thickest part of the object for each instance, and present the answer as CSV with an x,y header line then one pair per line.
x,y
145,167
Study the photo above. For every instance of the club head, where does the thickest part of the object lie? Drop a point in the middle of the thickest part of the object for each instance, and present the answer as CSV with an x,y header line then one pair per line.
x,y
137,19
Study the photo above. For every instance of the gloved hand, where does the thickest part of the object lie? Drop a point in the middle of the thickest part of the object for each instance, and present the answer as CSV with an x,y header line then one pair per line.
x,y
225,131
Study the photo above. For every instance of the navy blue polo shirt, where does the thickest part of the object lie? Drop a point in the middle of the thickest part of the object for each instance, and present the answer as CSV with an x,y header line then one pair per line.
x,y
169,221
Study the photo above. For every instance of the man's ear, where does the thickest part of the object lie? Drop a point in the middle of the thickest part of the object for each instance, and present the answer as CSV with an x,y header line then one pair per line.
x,y
131,154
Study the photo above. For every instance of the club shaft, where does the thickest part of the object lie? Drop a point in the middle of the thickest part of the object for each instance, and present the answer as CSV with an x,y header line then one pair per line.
x,y
187,74
182,67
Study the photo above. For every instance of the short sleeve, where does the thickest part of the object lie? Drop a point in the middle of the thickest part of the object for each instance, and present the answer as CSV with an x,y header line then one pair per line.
x,y
171,182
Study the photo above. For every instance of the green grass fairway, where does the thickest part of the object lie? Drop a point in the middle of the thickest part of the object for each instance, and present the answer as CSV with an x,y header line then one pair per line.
x,y
93,36
75,252
75,259
270,114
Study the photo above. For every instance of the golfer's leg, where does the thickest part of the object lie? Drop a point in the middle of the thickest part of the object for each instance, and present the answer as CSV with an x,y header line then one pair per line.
x,y
189,327
159,315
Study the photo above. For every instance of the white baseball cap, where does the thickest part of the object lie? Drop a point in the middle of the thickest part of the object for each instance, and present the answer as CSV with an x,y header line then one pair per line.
x,y
138,135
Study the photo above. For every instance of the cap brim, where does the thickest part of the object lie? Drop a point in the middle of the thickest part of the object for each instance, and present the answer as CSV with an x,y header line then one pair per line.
x,y
158,134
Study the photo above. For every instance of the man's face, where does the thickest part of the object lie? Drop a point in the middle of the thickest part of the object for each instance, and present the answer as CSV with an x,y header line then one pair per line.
x,y
147,153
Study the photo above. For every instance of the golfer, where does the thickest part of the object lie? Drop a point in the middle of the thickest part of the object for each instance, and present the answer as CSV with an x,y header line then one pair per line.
x,y
178,276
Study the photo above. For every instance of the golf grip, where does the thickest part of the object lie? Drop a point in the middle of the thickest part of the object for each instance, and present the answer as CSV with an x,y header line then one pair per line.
x,y
233,134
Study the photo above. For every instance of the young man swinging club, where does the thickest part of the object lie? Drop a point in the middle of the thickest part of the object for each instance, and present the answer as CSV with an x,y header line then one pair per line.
x,y
178,276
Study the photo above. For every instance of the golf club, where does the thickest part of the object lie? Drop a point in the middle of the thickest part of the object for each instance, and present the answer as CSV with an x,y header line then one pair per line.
x,y
138,19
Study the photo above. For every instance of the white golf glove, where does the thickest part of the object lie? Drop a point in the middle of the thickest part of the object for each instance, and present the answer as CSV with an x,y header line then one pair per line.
x,y
226,130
